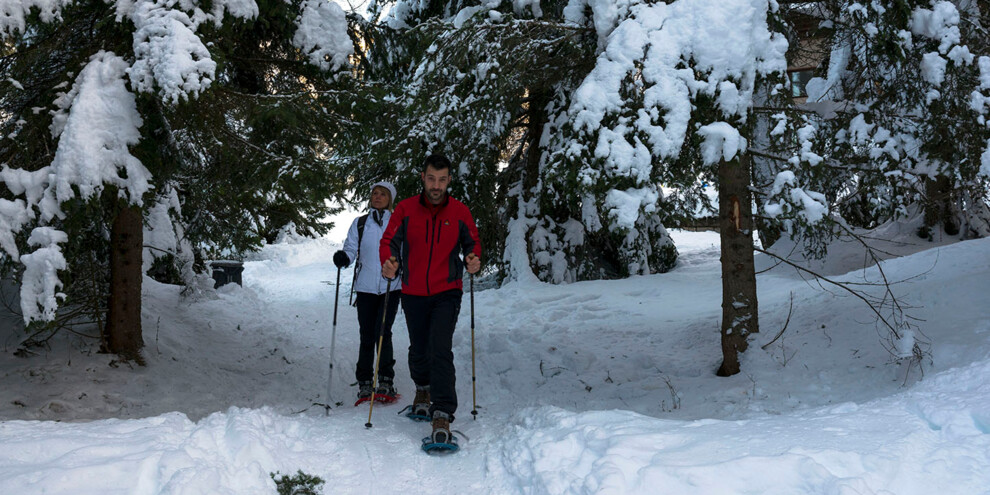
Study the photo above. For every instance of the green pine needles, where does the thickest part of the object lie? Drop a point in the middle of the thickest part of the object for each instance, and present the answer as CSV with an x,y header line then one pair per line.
x,y
299,484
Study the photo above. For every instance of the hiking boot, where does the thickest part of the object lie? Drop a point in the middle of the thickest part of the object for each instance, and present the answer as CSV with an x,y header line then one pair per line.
x,y
421,404
441,427
385,387
364,389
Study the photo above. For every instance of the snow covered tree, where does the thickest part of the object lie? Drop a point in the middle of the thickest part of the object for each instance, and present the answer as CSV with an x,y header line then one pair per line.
x,y
629,96
117,115
905,95
674,99
459,78
480,81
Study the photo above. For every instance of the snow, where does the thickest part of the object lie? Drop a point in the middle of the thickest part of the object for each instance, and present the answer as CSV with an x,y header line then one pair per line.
x,y
672,53
590,387
940,24
533,6
810,205
721,142
160,236
961,55
516,253
96,122
626,205
933,68
322,34
13,13
39,283
13,216
605,14
830,88
169,55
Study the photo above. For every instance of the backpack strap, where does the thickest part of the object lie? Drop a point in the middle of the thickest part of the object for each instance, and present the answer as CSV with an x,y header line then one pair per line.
x,y
363,219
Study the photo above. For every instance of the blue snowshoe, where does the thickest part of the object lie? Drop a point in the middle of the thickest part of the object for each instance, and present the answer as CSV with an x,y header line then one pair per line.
x,y
414,413
420,408
441,441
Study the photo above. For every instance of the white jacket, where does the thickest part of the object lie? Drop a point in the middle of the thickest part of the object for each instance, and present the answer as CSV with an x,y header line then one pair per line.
x,y
368,273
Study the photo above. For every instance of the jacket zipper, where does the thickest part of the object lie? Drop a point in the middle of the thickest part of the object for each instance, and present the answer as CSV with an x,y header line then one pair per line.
x,y
429,261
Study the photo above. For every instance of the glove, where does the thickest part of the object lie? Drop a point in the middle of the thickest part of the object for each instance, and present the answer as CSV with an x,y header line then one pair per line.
x,y
340,259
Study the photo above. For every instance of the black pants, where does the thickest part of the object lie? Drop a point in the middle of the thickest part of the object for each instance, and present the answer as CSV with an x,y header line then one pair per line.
x,y
431,321
369,308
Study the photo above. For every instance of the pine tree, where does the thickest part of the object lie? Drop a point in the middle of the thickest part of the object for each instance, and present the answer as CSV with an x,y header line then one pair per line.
x,y
624,101
481,82
202,123
463,79
906,86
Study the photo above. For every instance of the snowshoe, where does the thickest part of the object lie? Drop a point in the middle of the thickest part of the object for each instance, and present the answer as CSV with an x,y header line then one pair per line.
x,y
420,408
384,394
381,399
441,441
431,447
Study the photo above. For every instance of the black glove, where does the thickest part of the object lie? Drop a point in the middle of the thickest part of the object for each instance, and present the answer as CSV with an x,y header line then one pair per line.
x,y
340,259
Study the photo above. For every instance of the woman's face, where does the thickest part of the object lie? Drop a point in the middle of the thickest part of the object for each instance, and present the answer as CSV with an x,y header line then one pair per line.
x,y
380,198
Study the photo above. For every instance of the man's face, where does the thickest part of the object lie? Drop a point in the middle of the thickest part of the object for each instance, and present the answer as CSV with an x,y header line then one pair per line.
x,y
379,198
435,184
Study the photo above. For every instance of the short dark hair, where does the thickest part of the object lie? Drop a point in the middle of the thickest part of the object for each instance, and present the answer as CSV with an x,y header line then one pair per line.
x,y
437,161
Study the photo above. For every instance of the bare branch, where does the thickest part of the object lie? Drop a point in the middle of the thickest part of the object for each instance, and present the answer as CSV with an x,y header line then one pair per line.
x,y
840,285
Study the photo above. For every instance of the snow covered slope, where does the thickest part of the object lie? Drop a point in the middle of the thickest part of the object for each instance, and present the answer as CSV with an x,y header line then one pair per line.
x,y
594,387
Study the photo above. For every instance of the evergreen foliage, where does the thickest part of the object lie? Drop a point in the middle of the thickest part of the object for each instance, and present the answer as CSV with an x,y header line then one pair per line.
x,y
235,125
902,97
299,484
578,129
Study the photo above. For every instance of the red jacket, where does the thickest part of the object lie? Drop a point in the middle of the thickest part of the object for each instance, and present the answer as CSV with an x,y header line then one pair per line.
x,y
428,241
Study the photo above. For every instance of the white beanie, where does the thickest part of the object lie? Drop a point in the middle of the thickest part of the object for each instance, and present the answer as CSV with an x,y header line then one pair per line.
x,y
391,191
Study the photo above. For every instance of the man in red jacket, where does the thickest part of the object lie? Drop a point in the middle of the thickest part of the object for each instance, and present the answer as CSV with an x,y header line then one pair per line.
x,y
423,242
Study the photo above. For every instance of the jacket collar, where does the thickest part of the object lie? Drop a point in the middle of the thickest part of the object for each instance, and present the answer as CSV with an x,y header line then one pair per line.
x,y
379,216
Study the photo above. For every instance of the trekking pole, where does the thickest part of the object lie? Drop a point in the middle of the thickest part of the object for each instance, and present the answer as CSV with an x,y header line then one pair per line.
x,y
378,359
474,378
333,341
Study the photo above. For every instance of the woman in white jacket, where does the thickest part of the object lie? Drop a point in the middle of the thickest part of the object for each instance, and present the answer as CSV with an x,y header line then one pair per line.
x,y
362,245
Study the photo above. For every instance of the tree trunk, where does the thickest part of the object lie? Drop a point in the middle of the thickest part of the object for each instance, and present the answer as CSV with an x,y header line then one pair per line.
x,y
537,115
739,305
123,330
940,206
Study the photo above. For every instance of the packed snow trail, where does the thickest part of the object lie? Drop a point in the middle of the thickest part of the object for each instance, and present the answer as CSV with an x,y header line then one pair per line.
x,y
595,387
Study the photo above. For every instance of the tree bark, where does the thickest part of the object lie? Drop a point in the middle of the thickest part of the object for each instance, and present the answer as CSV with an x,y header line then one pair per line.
x,y
537,112
123,330
939,206
740,315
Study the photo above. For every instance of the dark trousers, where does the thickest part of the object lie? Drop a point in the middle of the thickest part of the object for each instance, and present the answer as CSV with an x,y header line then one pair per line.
x,y
369,307
431,321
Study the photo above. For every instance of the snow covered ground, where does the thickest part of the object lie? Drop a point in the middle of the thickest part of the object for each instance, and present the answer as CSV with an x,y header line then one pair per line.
x,y
593,387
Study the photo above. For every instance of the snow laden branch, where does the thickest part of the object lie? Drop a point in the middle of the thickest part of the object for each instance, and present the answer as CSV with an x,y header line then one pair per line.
x,y
903,341
322,34
636,120
905,93
96,125
14,13
168,53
